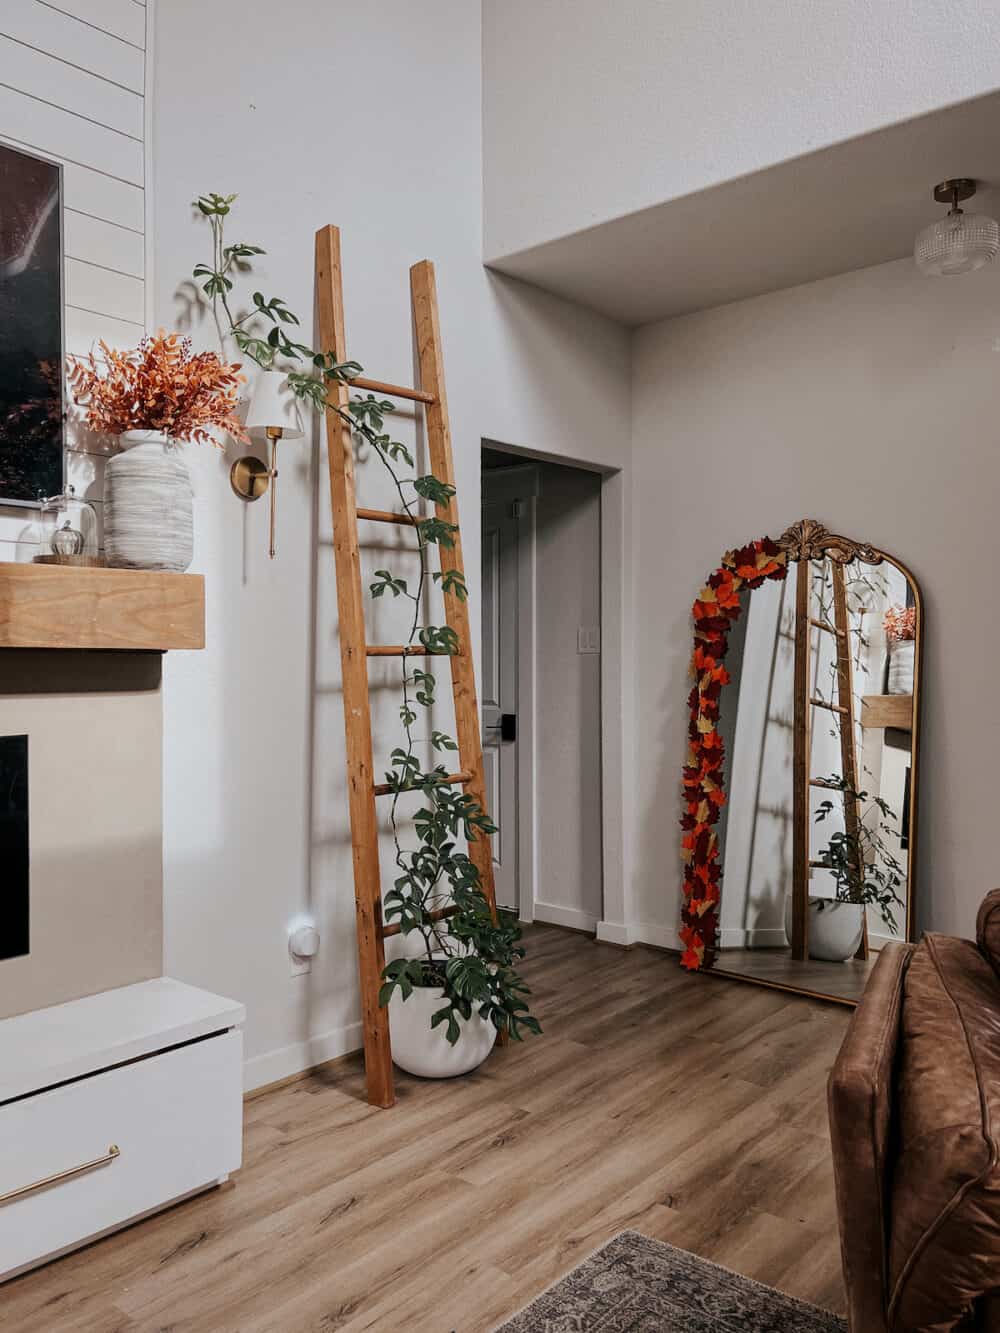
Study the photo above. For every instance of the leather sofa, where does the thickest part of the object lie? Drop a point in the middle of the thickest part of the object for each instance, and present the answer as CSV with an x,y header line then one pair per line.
x,y
914,1100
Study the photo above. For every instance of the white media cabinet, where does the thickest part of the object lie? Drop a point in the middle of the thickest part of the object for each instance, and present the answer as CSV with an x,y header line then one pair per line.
x,y
112,1107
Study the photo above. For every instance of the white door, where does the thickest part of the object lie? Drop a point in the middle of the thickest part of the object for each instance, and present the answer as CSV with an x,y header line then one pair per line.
x,y
499,696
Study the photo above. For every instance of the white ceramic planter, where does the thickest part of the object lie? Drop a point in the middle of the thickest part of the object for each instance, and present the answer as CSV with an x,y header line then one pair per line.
x,y
420,1049
835,928
901,667
148,511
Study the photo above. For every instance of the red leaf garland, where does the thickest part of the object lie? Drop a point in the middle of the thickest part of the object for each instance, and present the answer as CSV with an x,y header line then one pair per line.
x,y
715,611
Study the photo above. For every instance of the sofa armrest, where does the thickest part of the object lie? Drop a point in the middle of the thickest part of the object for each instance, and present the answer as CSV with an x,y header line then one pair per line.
x,y
860,1104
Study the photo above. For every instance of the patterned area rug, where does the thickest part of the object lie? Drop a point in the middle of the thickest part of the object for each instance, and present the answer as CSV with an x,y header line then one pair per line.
x,y
638,1285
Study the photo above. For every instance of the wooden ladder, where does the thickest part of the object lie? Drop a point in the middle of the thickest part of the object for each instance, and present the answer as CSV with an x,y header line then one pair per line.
x,y
355,649
805,701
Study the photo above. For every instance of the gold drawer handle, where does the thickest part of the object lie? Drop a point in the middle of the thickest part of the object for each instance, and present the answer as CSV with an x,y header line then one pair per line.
x,y
113,1152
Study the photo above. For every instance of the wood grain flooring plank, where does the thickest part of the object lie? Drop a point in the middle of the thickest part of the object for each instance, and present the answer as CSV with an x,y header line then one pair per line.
x,y
691,1109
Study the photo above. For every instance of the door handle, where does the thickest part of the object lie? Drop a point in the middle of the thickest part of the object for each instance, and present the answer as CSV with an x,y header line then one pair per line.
x,y
507,726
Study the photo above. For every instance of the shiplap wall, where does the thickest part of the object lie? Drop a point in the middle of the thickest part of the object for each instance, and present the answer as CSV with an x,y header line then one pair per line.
x,y
72,88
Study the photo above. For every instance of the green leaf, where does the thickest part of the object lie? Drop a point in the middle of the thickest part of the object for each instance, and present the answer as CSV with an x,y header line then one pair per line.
x,y
430,488
387,582
437,530
453,581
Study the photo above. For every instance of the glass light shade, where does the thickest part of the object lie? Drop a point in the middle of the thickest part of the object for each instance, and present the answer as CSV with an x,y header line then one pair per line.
x,y
273,406
68,526
958,243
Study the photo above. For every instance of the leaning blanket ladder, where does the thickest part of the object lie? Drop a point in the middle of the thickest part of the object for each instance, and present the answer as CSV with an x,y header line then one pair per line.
x,y
355,650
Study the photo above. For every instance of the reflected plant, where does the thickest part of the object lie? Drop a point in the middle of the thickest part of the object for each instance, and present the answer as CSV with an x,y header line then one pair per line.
x,y
863,867
471,955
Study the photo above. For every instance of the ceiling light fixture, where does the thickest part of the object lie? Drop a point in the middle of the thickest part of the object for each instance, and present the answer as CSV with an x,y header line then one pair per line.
x,y
960,242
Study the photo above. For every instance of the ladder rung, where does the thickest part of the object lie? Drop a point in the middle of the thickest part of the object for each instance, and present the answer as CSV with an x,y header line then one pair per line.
x,y
830,629
439,914
452,780
396,390
833,708
828,786
388,516
402,650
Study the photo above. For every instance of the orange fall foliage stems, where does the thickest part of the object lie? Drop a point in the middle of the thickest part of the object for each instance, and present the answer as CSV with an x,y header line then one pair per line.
x,y
162,386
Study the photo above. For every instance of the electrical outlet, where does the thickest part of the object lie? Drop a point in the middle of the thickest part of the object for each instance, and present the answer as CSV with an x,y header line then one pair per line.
x,y
588,639
303,945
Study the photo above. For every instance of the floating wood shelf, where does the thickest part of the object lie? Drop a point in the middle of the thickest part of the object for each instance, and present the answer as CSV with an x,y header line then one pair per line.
x,y
887,710
54,606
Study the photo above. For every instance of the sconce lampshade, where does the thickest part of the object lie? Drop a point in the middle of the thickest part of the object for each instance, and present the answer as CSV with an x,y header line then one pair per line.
x,y
273,406
960,242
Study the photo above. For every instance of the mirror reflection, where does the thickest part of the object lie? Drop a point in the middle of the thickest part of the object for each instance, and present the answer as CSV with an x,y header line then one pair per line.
x,y
818,723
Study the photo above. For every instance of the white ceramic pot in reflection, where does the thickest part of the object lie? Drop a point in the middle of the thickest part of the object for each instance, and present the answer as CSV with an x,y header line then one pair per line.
x,y
420,1049
901,667
835,928
148,509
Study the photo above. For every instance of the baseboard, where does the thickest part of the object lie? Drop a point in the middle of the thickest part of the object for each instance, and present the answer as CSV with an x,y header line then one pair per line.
x,y
759,937
658,937
287,1061
610,932
571,917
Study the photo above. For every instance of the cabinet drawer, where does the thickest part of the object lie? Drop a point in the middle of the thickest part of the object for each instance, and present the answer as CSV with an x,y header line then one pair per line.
x,y
175,1119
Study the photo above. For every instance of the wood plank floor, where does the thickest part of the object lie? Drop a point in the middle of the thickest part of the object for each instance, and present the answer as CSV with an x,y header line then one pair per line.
x,y
691,1109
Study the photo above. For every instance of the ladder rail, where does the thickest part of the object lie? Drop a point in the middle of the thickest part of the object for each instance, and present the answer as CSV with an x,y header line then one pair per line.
x,y
354,665
423,289
848,749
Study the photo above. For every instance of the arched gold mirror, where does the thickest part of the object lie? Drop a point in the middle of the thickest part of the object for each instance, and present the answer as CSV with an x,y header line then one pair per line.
x,y
800,787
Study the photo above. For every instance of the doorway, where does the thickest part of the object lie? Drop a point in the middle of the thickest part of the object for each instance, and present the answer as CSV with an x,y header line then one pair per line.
x,y
541,685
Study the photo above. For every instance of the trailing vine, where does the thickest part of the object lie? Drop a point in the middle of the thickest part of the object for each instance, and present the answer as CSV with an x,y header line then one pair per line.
x,y
470,955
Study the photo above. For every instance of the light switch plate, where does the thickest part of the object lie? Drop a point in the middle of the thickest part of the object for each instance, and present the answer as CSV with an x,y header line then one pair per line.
x,y
588,639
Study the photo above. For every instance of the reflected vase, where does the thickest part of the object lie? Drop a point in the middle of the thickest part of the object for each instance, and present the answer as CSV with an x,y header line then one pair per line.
x,y
835,928
901,667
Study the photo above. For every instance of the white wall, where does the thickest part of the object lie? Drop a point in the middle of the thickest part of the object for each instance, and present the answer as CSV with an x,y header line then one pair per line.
x,y
72,88
256,824
867,401
593,110
568,698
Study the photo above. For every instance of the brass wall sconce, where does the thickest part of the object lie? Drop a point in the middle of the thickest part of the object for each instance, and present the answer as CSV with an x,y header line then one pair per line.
x,y
273,414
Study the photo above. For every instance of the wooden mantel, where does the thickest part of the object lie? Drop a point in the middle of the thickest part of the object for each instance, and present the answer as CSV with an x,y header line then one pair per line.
x,y
137,610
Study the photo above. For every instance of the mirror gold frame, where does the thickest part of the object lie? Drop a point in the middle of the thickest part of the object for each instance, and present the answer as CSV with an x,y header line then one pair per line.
x,y
715,612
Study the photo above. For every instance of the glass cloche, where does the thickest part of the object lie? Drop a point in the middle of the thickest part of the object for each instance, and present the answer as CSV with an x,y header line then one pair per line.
x,y
68,530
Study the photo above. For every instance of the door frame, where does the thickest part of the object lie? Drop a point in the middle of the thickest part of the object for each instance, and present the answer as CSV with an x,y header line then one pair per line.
x,y
612,926
524,491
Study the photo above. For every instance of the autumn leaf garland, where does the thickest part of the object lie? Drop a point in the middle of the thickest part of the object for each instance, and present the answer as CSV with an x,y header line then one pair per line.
x,y
715,611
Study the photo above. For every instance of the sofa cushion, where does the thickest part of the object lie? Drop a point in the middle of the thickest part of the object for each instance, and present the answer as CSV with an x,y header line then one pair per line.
x,y
944,1246
988,929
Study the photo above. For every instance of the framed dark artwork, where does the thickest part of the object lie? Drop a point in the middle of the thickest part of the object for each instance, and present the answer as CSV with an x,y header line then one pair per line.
x,y
14,858
31,332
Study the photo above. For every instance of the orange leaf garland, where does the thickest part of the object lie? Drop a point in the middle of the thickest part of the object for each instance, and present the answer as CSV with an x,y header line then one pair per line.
x,y
715,611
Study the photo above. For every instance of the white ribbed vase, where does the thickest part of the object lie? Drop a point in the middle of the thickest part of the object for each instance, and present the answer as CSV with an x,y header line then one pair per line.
x,y
148,511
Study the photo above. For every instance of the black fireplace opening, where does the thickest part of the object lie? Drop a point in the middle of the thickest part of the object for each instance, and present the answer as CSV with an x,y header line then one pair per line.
x,y
14,859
